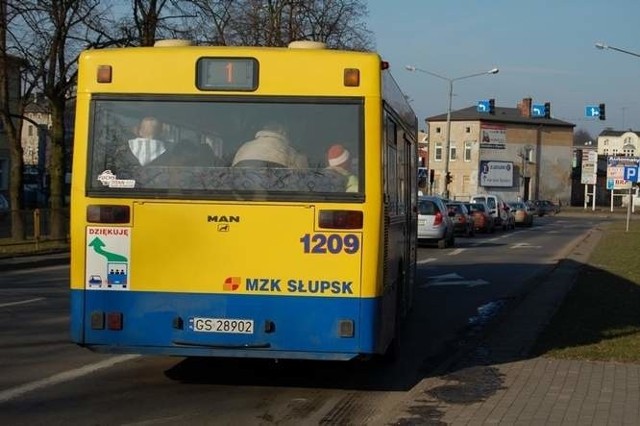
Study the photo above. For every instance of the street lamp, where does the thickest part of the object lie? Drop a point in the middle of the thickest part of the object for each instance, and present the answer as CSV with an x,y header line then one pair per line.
x,y
603,46
448,137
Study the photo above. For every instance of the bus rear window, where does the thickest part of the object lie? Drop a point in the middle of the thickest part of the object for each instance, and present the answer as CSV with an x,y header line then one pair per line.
x,y
191,147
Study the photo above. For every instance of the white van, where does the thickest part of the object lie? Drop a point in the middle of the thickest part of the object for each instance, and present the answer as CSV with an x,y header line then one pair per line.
x,y
498,208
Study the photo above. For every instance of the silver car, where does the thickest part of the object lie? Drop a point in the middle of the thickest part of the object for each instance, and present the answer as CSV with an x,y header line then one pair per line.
x,y
435,225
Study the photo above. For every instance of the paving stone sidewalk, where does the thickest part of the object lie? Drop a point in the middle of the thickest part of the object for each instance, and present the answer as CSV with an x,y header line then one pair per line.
x,y
499,383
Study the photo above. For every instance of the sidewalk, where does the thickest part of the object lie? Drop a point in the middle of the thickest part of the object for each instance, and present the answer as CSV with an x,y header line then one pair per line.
x,y
500,383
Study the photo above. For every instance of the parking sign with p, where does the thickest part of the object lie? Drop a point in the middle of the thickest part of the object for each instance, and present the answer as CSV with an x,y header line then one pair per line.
x,y
631,173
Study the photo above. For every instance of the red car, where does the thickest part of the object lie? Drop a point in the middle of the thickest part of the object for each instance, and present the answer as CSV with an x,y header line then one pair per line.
x,y
482,219
462,221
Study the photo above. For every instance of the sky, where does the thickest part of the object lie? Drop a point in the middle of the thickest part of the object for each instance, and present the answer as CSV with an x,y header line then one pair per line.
x,y
544,49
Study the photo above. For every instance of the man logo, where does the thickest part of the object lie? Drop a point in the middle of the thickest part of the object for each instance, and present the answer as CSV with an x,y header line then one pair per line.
x,y
231,284
223,227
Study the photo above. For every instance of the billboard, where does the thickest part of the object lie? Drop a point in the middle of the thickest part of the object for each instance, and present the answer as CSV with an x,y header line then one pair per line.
x,y
493,137
589,174
496,173
615,171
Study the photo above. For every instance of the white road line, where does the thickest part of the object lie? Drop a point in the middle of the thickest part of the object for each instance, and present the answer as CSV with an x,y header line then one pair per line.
x,y
422,261
63,377
22,302
456,251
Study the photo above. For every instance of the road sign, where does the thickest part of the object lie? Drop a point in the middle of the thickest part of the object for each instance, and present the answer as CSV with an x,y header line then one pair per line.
x,y
589,174
592,111
537,111
631,173
483,106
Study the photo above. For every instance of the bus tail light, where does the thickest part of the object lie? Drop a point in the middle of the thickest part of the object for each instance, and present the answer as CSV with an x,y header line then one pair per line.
x,y
114,321
340,219
97,320
104,74
351,77
101,213
347,328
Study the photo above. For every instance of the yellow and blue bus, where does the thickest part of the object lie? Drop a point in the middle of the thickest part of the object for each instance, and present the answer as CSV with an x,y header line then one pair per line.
x,y
181,247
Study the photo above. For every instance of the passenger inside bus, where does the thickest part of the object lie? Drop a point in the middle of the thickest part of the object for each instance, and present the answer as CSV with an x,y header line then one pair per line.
x,y
339,160
270,148
147,146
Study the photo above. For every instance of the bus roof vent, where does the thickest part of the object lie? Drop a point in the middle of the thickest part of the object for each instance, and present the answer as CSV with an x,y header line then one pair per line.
x,y
174,42
307,44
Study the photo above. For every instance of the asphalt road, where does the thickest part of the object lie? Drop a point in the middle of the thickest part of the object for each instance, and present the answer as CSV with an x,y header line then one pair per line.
x,y
461,292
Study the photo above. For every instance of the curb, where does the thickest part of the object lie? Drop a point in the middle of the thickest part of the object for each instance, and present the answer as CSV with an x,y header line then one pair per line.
x,y
34,261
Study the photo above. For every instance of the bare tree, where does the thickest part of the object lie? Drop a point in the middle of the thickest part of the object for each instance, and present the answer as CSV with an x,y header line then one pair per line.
x,y
149,21
9,107
581,136
49,35
339,23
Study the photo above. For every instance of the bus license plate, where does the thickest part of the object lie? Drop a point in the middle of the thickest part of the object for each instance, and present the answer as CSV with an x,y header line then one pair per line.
x,y
222,325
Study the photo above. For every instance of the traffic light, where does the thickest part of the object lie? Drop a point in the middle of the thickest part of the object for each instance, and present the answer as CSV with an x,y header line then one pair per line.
x,y
602,115
448,178
547,110
492,106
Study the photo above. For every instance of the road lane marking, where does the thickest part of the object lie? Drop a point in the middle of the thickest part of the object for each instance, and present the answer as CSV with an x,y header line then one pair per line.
x,y
22,302
456,251
65,376
422,261
524,245
452,279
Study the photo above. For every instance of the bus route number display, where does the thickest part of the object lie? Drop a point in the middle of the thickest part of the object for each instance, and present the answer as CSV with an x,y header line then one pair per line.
x,y
227,74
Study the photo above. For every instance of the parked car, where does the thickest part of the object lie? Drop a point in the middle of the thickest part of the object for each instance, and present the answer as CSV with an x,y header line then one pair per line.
x,y
434,222
546,207
532,208
498,208
4,207
482,220
522,216
462,220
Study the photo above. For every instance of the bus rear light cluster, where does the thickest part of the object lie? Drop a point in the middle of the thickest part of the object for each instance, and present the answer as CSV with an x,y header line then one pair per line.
x,y
351,77
340,219
99,213
114,321
104,74
347,328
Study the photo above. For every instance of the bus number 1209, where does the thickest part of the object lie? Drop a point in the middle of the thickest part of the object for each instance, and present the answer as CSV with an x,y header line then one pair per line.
x,y
332,243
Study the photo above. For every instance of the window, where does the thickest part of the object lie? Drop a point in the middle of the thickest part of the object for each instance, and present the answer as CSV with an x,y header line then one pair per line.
x,y
467,151
468,130
30,130
200,139
453,153
438,152
437,129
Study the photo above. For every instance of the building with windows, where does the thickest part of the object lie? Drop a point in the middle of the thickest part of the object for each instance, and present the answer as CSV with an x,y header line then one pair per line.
x,y
615,143
511,153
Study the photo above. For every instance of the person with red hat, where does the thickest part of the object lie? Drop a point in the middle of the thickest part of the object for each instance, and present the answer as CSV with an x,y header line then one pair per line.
x,y
339,160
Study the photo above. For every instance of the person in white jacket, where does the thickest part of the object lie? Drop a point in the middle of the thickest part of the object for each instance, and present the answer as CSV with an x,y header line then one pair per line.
x,y
270,148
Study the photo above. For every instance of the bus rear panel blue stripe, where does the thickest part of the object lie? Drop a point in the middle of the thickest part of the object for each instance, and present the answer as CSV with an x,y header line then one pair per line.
x,y
305,327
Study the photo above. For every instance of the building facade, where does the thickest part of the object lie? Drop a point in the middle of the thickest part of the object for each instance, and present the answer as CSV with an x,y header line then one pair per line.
x,y
616,143
508,152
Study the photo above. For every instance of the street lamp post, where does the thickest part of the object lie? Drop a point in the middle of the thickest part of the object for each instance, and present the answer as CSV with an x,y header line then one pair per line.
x,y
448,136
603,46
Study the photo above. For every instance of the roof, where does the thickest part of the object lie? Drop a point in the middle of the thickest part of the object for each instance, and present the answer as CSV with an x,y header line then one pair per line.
x,y
502,115
611,132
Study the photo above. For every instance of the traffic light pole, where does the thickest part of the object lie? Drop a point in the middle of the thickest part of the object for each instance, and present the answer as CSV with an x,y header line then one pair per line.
x,y
447,147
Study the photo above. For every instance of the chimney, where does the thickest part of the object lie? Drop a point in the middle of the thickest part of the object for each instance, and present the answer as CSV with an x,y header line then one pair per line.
x,y
525,107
